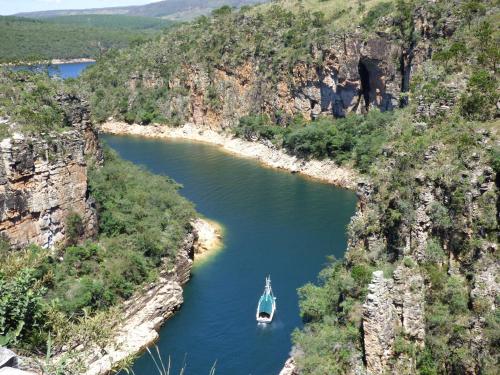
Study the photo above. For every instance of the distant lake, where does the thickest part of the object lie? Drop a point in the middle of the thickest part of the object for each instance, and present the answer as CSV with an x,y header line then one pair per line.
x,y
71,70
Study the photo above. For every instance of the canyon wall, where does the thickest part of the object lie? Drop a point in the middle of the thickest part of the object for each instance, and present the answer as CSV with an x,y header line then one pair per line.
x,y
354,75
394,316
43,181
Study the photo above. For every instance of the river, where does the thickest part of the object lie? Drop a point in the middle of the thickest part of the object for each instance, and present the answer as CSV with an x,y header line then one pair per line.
x,y
70,70
275,222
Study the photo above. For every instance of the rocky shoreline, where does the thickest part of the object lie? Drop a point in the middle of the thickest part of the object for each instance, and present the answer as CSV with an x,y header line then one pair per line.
x,y
323,170
142,315
210,235
149,309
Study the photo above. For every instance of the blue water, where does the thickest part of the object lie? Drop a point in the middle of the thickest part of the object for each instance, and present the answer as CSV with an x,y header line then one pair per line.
x,y
63,71
276,223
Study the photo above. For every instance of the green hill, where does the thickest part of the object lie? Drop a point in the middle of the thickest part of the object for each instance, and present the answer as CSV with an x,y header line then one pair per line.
x,y
172,9
69,37
112,21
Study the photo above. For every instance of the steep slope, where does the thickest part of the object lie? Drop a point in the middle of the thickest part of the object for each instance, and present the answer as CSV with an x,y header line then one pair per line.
x,y
417,291
214,71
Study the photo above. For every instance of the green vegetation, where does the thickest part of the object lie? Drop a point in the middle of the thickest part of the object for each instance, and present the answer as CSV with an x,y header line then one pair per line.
x,y
143,222
444,138
181,10
25,39
400,173
229,39
356,138
112,21
29,100
443,144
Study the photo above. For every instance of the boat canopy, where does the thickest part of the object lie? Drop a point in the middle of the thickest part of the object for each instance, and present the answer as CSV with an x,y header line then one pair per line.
x,y
266,303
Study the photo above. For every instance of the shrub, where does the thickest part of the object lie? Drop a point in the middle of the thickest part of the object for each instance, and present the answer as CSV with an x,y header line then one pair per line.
x,y
74,228
375,13
456,295
21,310
440,217
362,274
480,98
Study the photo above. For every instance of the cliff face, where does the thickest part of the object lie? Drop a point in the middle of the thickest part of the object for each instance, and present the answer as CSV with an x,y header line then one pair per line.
x,y
353,75
43,181
400,310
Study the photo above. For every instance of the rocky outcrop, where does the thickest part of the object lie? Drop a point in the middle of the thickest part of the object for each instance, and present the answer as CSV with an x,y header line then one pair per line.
x,y
43,180
209,235
9,363
290,368
379,324
354,75
394,310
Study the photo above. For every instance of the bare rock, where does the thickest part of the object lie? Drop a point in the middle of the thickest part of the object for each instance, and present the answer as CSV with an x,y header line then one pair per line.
x,y
393,306
7,358
290,368
14,371
44,179
378,324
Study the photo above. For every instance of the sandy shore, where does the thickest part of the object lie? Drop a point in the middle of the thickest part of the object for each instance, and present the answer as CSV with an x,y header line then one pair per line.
x,y
323,170
71,61
210,235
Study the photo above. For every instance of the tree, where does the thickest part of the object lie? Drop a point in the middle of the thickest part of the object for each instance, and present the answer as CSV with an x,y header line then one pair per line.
x,y
471,9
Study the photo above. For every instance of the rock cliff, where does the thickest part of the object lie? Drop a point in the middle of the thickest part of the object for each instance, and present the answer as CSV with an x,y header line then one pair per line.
x,y
353,75
43,180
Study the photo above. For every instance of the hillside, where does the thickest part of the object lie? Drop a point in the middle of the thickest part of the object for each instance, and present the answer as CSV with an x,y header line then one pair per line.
x,y
405,93
170,9
112,21
69,37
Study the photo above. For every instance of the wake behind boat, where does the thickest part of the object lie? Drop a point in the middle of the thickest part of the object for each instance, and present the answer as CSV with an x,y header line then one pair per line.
x,y
267,304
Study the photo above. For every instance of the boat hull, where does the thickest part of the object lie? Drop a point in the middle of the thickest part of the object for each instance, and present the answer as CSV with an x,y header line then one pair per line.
x,y
265,319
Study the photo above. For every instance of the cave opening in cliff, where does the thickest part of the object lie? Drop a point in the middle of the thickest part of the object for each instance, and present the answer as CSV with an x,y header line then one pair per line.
x,y
364,75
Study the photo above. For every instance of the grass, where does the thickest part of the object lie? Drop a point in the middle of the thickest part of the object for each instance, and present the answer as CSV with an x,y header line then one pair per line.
x,y
346,14
162,367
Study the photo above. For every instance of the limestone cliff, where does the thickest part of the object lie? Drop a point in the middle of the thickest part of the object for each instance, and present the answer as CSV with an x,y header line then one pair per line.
x,y
353,75
43,180
394,311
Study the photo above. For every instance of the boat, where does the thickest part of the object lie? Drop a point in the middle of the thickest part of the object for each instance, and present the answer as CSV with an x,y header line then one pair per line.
x,y
267,304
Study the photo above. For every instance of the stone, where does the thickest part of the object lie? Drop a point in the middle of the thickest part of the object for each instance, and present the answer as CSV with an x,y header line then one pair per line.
x,y
392,306
14,371
289,368
7,358
378,324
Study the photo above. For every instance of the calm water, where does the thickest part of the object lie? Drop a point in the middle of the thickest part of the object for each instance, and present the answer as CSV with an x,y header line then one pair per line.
x,y
64,71
276,223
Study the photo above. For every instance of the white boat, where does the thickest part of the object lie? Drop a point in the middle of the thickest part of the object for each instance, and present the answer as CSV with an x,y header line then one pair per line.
x,y
267,304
